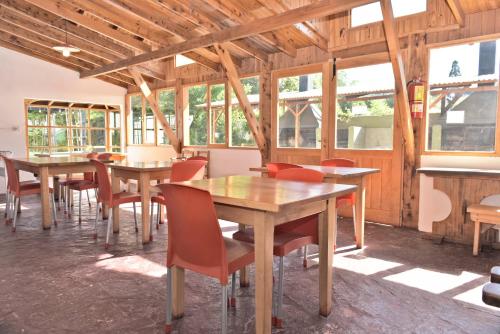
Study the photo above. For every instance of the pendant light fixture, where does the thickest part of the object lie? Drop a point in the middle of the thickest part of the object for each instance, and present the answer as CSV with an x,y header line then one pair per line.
x,y
66,49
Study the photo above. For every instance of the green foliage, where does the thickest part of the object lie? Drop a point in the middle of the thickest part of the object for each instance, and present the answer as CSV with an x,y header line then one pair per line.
x,y
198,114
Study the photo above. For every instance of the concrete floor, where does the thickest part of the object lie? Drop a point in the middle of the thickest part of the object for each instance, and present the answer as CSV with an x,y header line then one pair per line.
x,y
62,281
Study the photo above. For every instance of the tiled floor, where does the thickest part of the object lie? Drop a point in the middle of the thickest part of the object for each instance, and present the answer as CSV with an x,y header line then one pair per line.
x,y
63,281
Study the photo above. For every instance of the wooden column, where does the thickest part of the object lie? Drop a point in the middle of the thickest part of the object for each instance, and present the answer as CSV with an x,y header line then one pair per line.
x,y
265,108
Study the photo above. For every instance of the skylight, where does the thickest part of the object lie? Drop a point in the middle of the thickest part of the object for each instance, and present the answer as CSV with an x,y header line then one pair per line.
x,y
181,60
373,13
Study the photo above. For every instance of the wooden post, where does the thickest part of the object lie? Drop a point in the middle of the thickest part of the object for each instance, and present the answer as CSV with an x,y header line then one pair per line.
x,y
146,91
265,108
456,9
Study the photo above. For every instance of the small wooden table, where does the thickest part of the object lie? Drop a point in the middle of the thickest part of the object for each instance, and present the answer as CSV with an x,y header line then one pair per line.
x,y
345,175
143,172
264,203
51,166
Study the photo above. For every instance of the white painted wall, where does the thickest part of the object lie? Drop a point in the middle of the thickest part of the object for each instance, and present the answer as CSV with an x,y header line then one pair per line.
x,y
23,77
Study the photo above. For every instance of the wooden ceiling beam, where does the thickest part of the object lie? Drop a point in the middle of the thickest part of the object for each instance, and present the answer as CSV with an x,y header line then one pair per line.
x,y
306,28
44,17
207,25
233,12
239,91
147,92
403,106
62,9
317,9
458,12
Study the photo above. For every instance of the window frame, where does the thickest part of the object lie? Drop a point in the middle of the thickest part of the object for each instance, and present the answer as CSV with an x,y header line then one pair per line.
x,y
424,140
70,107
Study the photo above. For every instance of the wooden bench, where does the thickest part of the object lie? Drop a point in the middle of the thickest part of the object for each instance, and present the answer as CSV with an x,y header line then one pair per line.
x,y
485,214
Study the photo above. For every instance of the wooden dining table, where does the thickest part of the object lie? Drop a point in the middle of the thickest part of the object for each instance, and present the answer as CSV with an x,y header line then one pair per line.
x,y
345,175
264,203
46,167
143,172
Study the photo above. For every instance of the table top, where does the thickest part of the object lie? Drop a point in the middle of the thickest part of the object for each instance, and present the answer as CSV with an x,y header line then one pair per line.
x,y
51,161
459,171
142,166
267,194
332,172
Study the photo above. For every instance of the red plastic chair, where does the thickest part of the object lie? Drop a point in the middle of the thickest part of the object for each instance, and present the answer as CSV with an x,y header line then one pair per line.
x,y
275,167
107,197
16,190
289,236
191,169
349,199
195,242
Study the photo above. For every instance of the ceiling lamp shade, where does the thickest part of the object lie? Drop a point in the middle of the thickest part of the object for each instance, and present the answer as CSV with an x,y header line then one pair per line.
x,y
66,49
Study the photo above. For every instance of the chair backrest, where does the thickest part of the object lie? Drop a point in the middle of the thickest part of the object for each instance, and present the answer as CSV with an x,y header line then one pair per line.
x,y
338,162
103,182
104,156
275,167
12,177
89,176
307,225
198,157
188,170
195,239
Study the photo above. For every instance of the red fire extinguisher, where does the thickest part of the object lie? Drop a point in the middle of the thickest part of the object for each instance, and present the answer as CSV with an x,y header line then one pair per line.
x,y
416,92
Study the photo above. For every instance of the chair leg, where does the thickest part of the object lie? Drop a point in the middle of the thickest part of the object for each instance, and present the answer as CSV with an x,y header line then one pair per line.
x,y
14,213
88,198
224,310
7,203
304,261
151,217
279,301
80,207
110,226
354,222
233,290
168,318
96,219
54,210
60,198
135,219
158,216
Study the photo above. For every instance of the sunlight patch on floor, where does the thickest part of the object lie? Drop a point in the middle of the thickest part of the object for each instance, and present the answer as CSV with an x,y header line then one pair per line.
x,y
474,297
432,281
134,265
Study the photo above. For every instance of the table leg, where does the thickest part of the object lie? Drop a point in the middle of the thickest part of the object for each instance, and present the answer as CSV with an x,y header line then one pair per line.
x,y
55,183
244,280
359,224
115,188
264,235
327,230
178,292
145,203
45,198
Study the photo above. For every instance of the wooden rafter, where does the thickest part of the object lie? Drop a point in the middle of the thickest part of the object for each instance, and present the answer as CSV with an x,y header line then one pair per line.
x,y
234,79
146,91
314,10
403,106
456,9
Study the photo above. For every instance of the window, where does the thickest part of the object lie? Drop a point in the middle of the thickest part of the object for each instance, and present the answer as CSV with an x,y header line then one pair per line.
x,y
150,124
181,60
241,136
60,127
372,12
365,107
463,97
136,111
218,114
195,122
299,111
166,103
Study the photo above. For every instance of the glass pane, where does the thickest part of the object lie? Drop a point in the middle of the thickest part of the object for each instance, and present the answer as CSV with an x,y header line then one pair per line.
x,y
79,117
241,136
116,149
365,107
33,151
299,111
38,116
97,119
58,117
80,137
217,114
150,125
115,138
463,97
373,12
60,150
114,120
166,103
59,136
38,137
98,137
196,124
136,105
